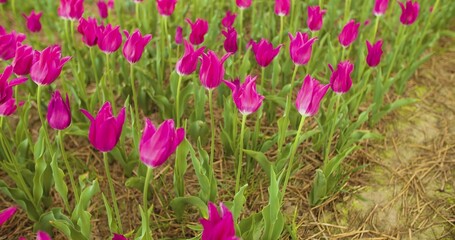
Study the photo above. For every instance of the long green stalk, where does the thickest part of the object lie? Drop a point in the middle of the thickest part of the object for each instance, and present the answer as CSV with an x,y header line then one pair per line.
x,y
177,101
332,128
144,202
240,160
112,190
68,166
212,141
135,100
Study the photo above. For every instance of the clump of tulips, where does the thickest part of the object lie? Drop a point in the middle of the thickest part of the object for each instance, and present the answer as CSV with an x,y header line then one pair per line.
x,y
333,70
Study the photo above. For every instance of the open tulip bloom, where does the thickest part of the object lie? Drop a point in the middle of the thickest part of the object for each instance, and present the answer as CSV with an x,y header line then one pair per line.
x,y
300,48
264,51
310,96
380,6
188,63
282,7
228,20
157,145
105,129
219,225
212,70
135,45
165,7
245,96
90,30
71,9
23,60
48,65
109,39
315,18
6,87
409,12
198,30
374,53
9,42
33,21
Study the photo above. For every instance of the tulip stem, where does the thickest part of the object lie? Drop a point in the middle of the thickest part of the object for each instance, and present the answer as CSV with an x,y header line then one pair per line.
x,y
281,29
332,128
177,101
112,190
92,58
376,26
41,117
138,17
291,159
398,44
292,80
13,6
212,141
68,166
320,4
133,88
241,32
239,162
263,79
144,200
346,10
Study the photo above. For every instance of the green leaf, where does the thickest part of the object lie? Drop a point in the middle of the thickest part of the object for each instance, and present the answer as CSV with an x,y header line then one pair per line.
x,y
178,204
135,182
319,188
180,167
39,147
59,180
38,185
239,200
260,157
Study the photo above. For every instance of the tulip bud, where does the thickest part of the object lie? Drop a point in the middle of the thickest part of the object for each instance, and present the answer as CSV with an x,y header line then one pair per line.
x,y
230,43
374,53
218,226
7,214
40,235
310,95
300,48
105,129
165,7
349,33
47,65
245,96
228,20
212,70
409,13
109,39
90,30
135,45
315,15
8,43
59,112
33,21
188,63
282,7
102,9
341,81
264,51
71,9
243,4
23,60
110,4
178,35
198,30
156,146
380,6
119,237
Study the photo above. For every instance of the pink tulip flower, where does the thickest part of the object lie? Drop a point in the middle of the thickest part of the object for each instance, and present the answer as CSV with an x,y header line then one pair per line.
x,y
23,60
228,20
105,129
230,43
409,12
7,214
349,33
198,30
178,35
212,70
33,21
40,235
315,17
264,51
341,81
380,6
300,48
243,4
282,7
102,9
166,7
8,43
374,53
245,96
135,45
59,112
219,226
109,39
71,9
157,145
47,65
188,63
310,95
89,30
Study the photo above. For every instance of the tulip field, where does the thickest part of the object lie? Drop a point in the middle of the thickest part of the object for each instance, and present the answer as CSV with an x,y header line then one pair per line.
x,y
223,120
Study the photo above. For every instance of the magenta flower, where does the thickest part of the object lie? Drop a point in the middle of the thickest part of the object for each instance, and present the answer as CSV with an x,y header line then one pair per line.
x,y
165,7
264,51
7,214
40,235
33,21
7,102
380,6
243,4
47,65
178,35
349,33
135,45
109,39
3,1
198,30
374,53
218,226
8,43
156,146
102,8
282,7
119,237
230,43
188,63
341,81
59,112
23,60
229,19
71,9
315,16
90,30
8,107
105,129
409,13
211,73
110,4
245,96
310,95
300,48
